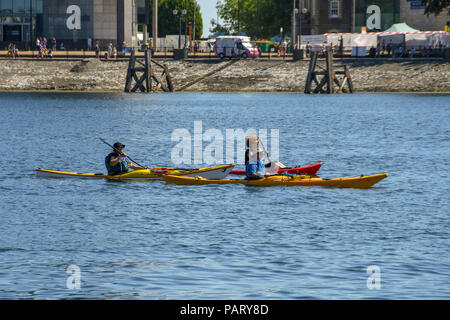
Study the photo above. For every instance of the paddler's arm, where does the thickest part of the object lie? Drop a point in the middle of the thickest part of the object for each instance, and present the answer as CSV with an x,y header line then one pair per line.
x,y
136,167
115,161
267,165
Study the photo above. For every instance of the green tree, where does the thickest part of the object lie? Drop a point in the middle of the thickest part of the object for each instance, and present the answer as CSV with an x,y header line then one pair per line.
x,y
217,27
257,18
169,24
435,6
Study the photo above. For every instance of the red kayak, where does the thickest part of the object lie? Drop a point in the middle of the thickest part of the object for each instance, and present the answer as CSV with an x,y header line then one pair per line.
x,y
311,170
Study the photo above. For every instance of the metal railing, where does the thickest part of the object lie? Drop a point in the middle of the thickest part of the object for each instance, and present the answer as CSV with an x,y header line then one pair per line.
x,y
168,53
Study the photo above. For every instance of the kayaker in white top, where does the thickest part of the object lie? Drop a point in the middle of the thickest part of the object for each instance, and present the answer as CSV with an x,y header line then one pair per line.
x,y
254,165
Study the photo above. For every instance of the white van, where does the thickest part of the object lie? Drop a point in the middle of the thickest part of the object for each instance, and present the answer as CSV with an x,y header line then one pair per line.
x,y
235,46
205,46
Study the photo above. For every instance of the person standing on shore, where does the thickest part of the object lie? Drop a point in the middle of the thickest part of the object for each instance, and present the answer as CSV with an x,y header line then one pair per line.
x,y
38,46
151,47
16,51
389,47
308,49
97,49
110,50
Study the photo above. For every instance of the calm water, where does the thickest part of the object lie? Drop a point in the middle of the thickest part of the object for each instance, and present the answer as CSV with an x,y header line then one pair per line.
x,y
149,240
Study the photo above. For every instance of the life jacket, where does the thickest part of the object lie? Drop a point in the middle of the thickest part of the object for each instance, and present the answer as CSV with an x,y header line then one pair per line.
x,y
252,167
121,167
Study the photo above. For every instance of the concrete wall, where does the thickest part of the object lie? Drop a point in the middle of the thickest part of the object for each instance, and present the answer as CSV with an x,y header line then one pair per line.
x,y
55,19
416,19
125,19
105,21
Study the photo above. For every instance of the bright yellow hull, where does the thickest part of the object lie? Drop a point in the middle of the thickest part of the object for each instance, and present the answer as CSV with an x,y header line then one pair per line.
x,y
362,182
155,173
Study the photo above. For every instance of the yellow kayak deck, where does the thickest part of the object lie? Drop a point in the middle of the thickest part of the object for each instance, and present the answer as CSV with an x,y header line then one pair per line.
x,y
153,173
362,182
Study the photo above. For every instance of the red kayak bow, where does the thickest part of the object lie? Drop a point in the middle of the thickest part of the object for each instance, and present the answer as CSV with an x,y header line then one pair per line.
x,y
311,170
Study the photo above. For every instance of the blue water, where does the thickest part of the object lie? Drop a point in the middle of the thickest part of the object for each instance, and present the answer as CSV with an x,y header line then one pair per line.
x,y
149,240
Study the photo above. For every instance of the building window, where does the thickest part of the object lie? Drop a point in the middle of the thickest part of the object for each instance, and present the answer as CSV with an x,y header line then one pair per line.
x,y
334,9
6,7
19,7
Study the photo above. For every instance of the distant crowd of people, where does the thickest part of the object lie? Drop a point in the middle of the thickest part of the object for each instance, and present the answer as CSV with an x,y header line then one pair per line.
x,y
45,48
13,51
383,49
399,51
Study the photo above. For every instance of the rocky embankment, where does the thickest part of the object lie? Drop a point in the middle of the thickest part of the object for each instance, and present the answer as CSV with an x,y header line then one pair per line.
x,y
368,75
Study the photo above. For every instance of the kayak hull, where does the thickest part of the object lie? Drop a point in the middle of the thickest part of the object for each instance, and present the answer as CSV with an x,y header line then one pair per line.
x,y
362,182
217,172
310,170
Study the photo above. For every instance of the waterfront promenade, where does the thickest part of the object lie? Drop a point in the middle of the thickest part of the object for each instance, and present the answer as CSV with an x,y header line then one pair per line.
x,y
81,71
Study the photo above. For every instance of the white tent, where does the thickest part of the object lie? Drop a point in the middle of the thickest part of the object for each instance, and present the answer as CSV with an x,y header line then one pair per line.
x,y
334,38
401,27
396,39
433,39
315,41
364,40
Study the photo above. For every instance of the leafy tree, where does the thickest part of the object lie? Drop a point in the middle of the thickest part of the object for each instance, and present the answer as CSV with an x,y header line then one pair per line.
x,y
257,18
435,6
217,27
169,24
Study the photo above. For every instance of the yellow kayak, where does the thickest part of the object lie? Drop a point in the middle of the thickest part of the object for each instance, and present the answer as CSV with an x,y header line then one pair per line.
x,y
362,182
217,172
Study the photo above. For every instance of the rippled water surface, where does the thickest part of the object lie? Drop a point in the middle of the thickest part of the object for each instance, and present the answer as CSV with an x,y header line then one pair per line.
x,y
149,240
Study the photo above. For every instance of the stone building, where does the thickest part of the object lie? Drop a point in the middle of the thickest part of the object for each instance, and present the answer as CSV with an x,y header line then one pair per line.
x,y
379,15
331,16
412,13
326,16
71,22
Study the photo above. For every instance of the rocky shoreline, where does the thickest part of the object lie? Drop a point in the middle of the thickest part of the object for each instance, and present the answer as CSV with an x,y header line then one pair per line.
x,y
276,75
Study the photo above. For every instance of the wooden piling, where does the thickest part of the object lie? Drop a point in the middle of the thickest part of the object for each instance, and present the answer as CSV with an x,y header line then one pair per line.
x,y
311,69
131,65
329,76
148,66
144,80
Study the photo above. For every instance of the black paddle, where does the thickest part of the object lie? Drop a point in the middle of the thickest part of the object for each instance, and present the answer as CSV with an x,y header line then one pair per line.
x,y
279,164
182,169
115,149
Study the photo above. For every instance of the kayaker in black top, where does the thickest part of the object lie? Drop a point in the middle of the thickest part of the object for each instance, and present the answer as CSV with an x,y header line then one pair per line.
x,y
117,162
